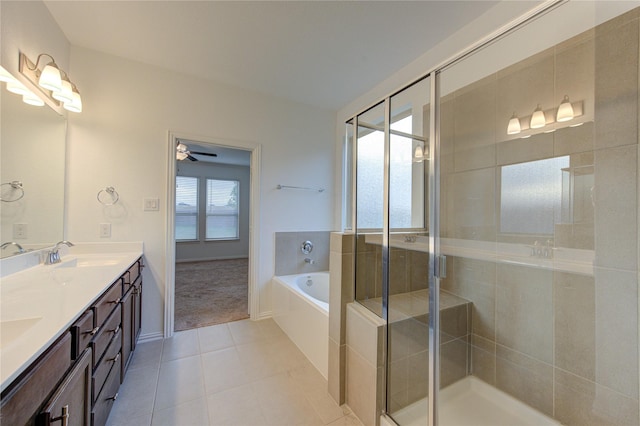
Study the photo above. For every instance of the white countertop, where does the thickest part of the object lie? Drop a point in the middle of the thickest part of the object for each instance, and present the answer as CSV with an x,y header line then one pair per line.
x,y
563,259
38,303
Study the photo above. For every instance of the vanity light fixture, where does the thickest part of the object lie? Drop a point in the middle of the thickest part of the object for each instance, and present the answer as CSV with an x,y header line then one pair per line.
x,y
53,82
31,99
420,154
14,86
538,119
514,125
565,110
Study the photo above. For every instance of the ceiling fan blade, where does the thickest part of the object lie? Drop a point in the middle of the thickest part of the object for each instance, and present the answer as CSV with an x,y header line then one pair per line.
x,y
210,154
192,158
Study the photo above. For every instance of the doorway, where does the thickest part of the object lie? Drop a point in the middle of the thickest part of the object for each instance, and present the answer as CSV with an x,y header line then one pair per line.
x,y
211,256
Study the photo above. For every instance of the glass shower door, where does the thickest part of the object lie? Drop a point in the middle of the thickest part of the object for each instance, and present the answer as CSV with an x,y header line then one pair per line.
x,y
407,360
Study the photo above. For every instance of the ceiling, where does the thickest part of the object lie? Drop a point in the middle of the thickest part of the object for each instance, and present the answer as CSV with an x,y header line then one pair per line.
x,y
236,157
321,53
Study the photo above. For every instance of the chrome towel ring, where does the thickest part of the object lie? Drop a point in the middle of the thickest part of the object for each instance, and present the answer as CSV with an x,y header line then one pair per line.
x,y
12,187
108,196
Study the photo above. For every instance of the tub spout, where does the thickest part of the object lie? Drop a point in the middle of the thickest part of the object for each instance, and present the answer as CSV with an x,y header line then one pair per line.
x,y
309,261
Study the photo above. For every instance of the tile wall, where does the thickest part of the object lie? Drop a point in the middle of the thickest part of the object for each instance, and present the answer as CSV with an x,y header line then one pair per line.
x,y
564,343
289,257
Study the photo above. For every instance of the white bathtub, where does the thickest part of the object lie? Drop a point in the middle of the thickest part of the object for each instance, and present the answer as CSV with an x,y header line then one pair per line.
x,y
301,308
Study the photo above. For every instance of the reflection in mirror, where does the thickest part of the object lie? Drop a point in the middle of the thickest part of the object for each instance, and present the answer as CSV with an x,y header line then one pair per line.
x,y
32,147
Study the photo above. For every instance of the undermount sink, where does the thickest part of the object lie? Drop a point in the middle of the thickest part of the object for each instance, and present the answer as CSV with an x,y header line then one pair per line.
x,y
10,330
90,261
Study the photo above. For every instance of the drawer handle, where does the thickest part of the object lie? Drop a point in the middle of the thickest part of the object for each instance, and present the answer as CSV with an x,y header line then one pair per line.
x,y
114,397
115,358
92,332
64,417
116,330
115,302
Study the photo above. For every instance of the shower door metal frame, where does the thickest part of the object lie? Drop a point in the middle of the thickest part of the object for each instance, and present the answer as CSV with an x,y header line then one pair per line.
x,y
437,262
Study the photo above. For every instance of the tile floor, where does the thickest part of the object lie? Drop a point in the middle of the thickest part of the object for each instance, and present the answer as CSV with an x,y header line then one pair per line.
x,y
242,373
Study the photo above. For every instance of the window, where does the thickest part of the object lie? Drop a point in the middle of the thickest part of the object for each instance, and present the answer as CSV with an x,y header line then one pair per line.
x,y
370,175
186,208
222,209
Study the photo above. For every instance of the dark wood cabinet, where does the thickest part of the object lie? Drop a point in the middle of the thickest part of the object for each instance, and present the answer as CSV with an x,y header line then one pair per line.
x,y
24,397
70,405
76,380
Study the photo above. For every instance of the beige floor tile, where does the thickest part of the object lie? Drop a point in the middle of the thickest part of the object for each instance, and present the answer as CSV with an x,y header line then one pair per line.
x,y
182,344
269,328
214,337
223,370
348,420
147,354
136,396
192,413
144,420
282,402
238,406
179,381
245,331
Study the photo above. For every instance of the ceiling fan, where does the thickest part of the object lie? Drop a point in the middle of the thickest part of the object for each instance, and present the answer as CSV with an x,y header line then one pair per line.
x,y
182,152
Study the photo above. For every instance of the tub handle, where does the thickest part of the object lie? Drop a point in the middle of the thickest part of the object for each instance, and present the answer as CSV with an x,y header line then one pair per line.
x,y
307,247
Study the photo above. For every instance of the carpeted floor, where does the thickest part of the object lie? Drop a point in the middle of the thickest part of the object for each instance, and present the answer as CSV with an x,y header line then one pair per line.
x,y
211,292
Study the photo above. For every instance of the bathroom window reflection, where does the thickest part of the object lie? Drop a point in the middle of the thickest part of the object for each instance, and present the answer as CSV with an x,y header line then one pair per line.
x,y
531,196
371,179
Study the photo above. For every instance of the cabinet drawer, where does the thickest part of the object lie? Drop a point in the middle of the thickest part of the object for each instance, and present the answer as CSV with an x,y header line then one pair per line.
x,y
107,396
109,331
81,333
71,403
111,357
20,403
107,303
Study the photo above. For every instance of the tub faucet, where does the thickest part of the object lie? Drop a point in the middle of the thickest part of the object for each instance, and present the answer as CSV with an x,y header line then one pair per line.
x,y
309,261
53,256
9,243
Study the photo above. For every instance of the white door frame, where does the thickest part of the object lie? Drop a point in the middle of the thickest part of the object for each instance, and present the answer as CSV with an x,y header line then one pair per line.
x,y
254,217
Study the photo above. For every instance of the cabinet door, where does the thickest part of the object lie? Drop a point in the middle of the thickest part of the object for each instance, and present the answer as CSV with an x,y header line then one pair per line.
x,y
127,330
21,401
70,405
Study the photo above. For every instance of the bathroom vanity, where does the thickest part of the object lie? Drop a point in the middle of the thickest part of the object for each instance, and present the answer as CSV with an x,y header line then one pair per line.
x,y
67,334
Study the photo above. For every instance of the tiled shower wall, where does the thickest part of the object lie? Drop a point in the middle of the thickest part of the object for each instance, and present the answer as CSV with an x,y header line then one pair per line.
x,y
289,257
564,343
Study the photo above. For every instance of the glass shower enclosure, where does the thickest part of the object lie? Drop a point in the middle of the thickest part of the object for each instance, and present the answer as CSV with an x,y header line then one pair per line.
x,y
495,210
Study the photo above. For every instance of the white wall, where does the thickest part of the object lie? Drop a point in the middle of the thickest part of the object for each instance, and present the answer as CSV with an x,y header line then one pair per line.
x,y
224,249
121,140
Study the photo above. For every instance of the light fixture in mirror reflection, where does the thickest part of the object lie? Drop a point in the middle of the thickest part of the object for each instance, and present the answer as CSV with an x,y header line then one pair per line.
x,y
546,120
32,142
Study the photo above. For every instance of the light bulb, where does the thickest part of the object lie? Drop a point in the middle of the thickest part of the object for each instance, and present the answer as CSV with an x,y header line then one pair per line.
x,y
565,110
66,94
50,78
538,119
31,99
514,125
5,75
16,87
75,105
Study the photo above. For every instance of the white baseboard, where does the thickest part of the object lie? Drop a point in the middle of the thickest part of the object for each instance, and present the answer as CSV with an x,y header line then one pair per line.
x,y
150,337
263,315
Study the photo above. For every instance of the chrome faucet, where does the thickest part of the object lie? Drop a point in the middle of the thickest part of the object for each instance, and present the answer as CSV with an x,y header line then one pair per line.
x,y
9,243
309,261
53,256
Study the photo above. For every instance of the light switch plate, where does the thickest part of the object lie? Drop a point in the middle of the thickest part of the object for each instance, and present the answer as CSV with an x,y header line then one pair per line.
x,y
105,230
20,231
151,204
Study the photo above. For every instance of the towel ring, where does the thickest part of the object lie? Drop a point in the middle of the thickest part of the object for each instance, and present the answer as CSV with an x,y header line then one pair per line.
x,y
108,192
15,185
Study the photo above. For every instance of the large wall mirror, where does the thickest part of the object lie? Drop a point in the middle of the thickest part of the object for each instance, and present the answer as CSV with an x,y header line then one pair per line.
x,y
32,151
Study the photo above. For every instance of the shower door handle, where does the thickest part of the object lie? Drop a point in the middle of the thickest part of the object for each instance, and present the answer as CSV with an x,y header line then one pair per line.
x,y
441,267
